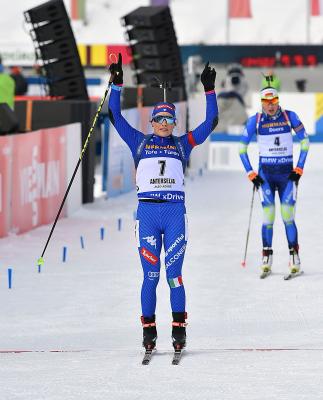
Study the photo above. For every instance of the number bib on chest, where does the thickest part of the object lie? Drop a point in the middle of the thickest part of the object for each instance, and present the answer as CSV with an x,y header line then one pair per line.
x,y
159,174
276,145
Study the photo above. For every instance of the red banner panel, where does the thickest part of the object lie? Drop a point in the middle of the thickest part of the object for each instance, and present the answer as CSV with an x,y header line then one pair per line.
x,y
38,177
5,160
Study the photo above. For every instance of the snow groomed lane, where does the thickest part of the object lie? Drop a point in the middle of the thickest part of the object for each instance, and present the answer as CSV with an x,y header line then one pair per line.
x,y
76,324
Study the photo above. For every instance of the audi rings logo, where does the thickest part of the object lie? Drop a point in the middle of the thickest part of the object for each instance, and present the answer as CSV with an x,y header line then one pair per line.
x,y
152,274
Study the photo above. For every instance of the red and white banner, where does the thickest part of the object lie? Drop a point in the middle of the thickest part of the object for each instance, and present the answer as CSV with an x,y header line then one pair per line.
x,y
53,177
5,160
33,177
38,177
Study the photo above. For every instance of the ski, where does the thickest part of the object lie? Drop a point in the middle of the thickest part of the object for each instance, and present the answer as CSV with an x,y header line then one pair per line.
x,y
293,275
265,274
177,356
147,357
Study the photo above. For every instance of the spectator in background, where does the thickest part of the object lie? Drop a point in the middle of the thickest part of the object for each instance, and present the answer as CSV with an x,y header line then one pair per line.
x,y
235,81
20,80
231,103
274,80
7,87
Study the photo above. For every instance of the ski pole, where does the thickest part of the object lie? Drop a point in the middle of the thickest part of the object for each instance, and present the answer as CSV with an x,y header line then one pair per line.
x,y
296,193
243,263
41,259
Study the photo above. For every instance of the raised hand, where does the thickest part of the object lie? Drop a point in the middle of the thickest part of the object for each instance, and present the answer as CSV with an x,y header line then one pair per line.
x,y
116,71
208,78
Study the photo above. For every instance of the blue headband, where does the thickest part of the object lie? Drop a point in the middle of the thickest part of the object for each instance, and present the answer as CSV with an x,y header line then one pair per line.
x,y
164,107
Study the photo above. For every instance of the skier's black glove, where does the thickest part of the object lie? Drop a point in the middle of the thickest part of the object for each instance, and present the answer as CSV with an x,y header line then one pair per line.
x,y
116,72
295,175
255,179
208,78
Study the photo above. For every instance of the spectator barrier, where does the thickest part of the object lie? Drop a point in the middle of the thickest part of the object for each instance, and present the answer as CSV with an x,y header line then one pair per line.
x,y
35,169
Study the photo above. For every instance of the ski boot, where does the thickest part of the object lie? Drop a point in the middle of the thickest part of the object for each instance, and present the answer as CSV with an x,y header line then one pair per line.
x,y
149,332
179,330
267,261
294,262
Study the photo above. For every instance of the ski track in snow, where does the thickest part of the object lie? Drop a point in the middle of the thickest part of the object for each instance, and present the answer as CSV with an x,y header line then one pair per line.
x,y
73,331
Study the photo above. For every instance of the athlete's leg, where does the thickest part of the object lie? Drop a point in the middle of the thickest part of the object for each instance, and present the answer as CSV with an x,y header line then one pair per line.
x,y
175,239
149,242
287,192
267,197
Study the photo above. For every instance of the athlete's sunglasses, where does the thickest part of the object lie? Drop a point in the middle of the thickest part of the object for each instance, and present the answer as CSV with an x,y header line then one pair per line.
x,y
161,118
275,100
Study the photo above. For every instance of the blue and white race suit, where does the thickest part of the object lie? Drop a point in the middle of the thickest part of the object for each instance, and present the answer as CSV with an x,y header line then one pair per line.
x,y
275,142
161,215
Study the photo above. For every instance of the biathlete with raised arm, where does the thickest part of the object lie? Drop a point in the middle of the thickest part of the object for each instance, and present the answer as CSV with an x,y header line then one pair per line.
x,y
160,159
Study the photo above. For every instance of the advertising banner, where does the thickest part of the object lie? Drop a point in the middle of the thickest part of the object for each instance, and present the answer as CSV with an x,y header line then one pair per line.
x,y
53,177
35,169
5,163
38,178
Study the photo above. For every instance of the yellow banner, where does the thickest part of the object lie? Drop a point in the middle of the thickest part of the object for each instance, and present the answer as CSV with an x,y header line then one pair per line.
x,y
318,105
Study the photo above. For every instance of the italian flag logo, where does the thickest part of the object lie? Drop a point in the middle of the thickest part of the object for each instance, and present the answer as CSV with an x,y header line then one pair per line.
x,y
175,282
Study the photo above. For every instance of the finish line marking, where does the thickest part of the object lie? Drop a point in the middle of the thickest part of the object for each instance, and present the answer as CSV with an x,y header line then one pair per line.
x,y
40,351
19,351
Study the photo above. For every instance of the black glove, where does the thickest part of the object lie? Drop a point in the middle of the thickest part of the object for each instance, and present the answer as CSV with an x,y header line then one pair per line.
x,y
208,78
116,72
295,175
256,180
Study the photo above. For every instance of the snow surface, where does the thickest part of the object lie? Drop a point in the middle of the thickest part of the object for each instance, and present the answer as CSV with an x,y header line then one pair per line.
x,y
77,323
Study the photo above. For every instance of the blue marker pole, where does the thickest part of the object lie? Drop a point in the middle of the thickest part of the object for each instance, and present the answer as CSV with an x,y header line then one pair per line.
x,y
9,278
82,242
64,253
102,233
119,224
